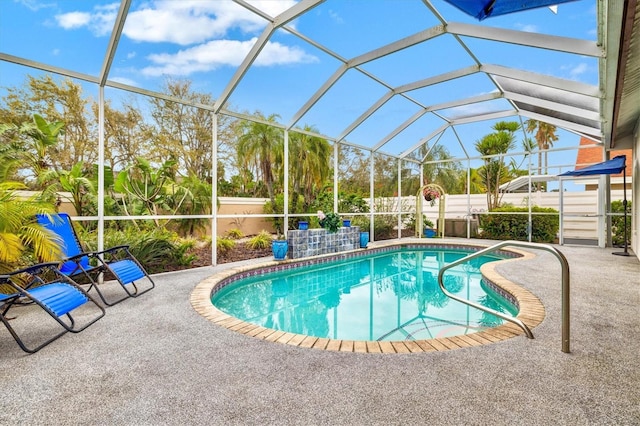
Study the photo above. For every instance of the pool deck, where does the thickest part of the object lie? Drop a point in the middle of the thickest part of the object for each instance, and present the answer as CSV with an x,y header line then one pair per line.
x,y
156,361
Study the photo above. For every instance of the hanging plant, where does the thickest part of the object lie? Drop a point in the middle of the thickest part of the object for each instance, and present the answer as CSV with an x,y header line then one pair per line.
x,y
431,194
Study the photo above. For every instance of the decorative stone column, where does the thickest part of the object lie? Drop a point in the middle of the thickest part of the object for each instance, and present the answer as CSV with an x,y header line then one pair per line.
x,y
313,242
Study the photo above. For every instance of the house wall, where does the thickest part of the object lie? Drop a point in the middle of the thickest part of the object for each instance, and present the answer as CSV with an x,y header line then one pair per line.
x,y
236,206
635,207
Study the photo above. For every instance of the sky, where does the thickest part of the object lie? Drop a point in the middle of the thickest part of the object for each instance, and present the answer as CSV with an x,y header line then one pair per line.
x,y
206,41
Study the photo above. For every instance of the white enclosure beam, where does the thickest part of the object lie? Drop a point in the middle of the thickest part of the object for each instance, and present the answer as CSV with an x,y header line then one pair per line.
x,y
524,38
261,42
462,72
373,108
425,139
397,45
542,80
113,41
554,106
399,129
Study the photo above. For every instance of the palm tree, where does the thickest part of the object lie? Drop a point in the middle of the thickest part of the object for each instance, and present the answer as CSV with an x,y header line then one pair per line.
x,y
437,170
74,182
309,162
19,231
494,146
34,154
545,135
263,143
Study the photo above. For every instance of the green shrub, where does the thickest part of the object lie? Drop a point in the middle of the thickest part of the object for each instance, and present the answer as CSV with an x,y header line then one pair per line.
x,y
260,241
235,234
617,223
544,228
225,244
157,250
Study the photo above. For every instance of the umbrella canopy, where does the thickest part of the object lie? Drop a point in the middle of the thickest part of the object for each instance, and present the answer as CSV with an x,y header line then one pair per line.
x,y
481,9
615,165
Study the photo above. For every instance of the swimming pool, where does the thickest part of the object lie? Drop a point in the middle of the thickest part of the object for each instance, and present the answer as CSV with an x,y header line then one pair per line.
x,y
368,301
392,295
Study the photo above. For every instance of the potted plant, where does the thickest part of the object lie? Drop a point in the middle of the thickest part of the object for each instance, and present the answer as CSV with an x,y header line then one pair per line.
x,y
280,247
330,221
429,232
431,195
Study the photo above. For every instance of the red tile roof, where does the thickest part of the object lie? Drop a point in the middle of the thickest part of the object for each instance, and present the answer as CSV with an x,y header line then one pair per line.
x,y
587,156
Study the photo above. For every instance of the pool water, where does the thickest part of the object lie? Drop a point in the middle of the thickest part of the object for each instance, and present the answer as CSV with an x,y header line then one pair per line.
x,y
389,296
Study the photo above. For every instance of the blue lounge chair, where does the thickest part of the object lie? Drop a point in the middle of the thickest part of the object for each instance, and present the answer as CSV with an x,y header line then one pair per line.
x,y
58,295
117,261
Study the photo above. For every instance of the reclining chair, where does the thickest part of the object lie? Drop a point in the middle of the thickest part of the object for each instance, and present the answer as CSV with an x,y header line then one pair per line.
x,y
44,285
117,261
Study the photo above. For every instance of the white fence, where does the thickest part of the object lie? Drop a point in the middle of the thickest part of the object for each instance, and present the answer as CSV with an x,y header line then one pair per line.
x,y
580,209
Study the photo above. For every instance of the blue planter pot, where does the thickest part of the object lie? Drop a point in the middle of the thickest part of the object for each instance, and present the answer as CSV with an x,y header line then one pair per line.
x,y
346,223
303,226
364,239
279,248
430,233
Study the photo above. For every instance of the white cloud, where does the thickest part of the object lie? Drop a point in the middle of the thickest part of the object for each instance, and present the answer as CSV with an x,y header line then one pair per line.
x,y
201,25
578,70
100,21
192,21
73,20
124,80
335,17
216,53
529,28
35,5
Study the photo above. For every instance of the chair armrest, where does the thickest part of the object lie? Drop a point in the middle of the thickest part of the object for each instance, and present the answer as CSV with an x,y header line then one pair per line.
x,y
34,269
124,247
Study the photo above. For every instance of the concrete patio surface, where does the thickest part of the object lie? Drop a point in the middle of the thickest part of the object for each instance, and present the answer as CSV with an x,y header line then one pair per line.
x,y
154,361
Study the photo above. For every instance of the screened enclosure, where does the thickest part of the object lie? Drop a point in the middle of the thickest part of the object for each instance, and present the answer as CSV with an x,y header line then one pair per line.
x,y
348,107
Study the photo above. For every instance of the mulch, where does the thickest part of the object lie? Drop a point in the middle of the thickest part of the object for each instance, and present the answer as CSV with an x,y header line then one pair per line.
x,y
239,252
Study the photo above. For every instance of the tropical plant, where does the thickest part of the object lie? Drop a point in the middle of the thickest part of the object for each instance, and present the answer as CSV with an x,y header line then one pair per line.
x,y
438,168
28,145
618,223
20,234
192,196
309,160
330,221
72,181
148,189
545,136
235,234
262,143
493,147
261,241
224,245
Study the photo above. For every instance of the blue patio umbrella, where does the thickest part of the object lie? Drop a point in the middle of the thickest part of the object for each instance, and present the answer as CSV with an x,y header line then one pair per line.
x,y
615,165
481,9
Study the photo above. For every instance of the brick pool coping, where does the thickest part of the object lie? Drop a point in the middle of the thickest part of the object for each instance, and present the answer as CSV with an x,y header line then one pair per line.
x,y
531,311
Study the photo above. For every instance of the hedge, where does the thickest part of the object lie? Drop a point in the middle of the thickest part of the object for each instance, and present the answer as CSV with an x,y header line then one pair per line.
x,y
506,226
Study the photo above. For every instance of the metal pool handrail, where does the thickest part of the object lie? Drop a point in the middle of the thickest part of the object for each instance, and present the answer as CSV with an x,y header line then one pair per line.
x,y
565,286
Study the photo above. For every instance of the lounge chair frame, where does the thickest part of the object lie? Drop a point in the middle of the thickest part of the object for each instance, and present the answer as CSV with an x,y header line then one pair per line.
x,y
54,292
118,260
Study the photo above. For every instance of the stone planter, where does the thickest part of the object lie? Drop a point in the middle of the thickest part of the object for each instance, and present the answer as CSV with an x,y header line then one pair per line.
x,y
314,242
